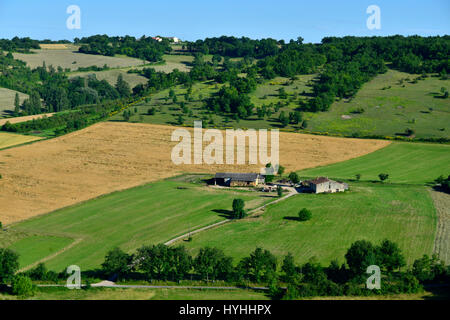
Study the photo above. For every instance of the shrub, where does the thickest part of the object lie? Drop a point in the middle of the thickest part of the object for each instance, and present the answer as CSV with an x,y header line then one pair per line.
x,y
238,209
22,286
304,215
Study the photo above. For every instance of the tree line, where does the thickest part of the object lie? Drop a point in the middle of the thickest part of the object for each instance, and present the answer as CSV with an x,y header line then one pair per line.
x,y
285,278
145,48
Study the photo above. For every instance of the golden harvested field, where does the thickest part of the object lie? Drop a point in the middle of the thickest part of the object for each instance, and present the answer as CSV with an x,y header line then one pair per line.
x,y
112,156
11,139
53,46
25,118
67,58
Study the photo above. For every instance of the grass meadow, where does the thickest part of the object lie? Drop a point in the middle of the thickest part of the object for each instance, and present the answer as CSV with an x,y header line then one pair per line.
x,y
403,214
409,163
392,102
149,214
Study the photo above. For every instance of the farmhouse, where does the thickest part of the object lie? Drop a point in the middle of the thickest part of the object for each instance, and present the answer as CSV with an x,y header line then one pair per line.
x,y
325,185
238,179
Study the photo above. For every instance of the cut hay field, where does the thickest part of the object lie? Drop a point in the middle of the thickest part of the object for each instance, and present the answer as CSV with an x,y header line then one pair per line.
x,y
111,156
148,214
403,214
7,97
24,118
11,139
132,79
173,61
401,105
67,58
410,163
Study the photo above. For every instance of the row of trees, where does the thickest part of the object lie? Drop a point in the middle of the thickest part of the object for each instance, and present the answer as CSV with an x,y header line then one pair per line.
x,y
286,280
145,48
19,44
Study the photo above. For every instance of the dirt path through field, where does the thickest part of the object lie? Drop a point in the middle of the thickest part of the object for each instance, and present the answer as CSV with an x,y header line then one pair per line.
x,y
111,156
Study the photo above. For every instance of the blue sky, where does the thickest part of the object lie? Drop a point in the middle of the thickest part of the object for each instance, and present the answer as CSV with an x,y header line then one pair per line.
x,y
197,19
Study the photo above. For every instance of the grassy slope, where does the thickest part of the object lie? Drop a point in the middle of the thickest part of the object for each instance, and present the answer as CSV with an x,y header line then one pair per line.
x,y
370,211
387,112
412,163
34,248
391,111
144,215
167,112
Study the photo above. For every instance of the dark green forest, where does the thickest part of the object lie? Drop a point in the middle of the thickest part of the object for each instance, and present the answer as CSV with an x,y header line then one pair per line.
x,y
343,65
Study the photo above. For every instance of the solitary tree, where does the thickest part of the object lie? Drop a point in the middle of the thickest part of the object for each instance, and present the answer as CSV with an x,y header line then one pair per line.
x,y
293,176
358,176
22,286
9,264
279,191
122,87
238,209
281,170
383,176
304,215
16,104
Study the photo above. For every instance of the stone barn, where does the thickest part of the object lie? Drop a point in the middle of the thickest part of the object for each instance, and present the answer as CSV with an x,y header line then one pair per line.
x,y
238,179
325,185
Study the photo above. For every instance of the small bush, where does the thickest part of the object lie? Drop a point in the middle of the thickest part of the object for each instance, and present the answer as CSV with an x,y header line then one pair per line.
x,y
304,215
22,286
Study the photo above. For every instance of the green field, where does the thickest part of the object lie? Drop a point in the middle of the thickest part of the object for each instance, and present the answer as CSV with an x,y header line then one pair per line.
x,y
142,294
388,112
148,214
411,163
34,248
403,214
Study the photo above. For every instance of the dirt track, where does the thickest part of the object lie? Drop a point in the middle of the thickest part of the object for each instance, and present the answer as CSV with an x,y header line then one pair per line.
x,y
111,156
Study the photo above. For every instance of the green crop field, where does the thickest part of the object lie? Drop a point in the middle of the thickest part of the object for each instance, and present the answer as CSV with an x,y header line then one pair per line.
x,y
412,163
392,103
148,214
403,214
34,248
